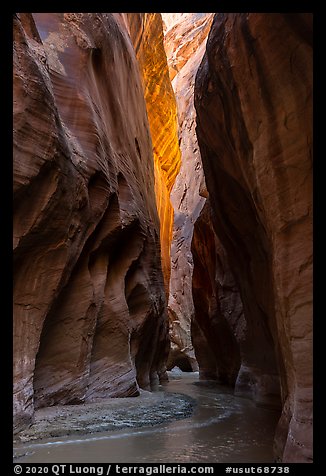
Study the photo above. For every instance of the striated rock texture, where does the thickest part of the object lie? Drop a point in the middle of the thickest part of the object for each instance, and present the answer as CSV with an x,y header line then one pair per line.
x,y
146,31
218,324
89,302
185,45
253,100
184,34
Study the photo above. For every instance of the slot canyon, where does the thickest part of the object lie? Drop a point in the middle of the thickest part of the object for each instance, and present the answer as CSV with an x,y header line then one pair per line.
x,y
163,235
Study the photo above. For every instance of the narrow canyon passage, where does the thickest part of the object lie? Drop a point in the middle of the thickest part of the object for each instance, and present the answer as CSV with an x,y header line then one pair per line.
x,y
163,221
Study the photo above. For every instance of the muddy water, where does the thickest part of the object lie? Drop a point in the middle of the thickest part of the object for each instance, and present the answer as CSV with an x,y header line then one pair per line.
x,y
222,428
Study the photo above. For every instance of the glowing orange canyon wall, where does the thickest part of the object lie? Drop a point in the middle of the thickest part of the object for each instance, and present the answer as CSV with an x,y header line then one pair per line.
x,y
146,31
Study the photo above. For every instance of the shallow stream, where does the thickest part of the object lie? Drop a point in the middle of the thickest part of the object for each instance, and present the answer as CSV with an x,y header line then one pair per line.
x,y
222,428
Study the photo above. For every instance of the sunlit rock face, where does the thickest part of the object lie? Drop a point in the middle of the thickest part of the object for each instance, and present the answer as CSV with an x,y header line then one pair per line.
x,y
146,30
253,100
184,40
89,301
184,34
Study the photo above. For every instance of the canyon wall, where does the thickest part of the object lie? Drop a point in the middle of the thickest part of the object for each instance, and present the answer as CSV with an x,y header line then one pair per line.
x,y
89,301
218,325
184,40
146,31
253,98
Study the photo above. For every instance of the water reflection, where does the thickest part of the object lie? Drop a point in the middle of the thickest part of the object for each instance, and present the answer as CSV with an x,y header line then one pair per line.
x,y
223,428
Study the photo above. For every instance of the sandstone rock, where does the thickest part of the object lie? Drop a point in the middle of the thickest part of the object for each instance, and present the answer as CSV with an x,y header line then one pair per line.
x,y
218,325
184,34
89,302
253,100
146,30
184,40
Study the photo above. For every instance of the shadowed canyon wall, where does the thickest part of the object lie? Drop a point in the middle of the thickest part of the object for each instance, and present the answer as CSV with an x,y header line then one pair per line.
x,y
146,30
218,325
253,100
89,301
185,39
